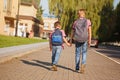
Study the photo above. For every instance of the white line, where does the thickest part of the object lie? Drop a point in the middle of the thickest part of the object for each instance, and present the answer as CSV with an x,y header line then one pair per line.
x,y
106,57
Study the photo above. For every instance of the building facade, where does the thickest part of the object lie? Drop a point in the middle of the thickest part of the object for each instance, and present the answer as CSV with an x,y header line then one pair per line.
x,y
8,11
48,26
26,22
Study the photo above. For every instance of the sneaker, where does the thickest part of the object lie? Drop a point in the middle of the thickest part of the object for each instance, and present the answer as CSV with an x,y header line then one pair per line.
x,y
77,70
54,68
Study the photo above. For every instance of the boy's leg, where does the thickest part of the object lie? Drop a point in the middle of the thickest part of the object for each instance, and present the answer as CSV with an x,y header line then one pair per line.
x,y
84,55
56,58
57,54
77,55
53,53
53,58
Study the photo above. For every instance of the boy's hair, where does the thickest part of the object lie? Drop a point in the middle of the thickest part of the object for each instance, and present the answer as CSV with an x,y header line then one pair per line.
x,y
56,23
84,10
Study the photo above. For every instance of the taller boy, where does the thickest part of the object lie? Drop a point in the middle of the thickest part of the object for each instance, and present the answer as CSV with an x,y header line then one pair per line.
x,y
81,33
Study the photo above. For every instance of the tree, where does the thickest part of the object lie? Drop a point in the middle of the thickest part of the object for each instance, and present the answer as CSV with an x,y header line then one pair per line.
x,y
67,11
39,14
107,24
116,34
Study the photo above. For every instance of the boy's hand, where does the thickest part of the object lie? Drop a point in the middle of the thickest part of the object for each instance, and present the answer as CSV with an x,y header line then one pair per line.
x,y
89,42
70,44
50,48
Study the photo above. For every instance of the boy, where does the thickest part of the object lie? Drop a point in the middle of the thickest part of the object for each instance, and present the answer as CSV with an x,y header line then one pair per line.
x,y
56,43
81,33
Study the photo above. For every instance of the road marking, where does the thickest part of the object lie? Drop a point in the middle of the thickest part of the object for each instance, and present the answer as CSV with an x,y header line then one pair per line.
x,y
106,57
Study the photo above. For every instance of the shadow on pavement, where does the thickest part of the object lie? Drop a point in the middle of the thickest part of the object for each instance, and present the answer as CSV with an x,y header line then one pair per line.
x,y
34,64
43,64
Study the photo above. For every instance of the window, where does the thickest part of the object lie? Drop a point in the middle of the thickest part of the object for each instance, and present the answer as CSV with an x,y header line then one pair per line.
x,y
7,5
21,24
26,24
7,25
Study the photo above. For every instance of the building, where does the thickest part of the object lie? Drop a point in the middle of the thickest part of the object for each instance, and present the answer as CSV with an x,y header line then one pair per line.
x,y
48,26
8,11
27,19
11,24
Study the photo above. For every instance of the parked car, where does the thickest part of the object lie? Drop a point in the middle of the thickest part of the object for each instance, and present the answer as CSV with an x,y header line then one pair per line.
x,y
94,43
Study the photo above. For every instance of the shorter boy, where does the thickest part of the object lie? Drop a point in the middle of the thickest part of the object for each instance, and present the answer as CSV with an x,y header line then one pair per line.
x,y
56,43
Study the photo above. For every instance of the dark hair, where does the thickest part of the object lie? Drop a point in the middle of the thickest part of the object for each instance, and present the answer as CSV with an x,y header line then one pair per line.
x,y
56,23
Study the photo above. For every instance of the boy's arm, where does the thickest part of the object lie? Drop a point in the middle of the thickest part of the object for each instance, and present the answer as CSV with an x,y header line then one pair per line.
x,y
89,32
89,36
65,40
71,37
50,44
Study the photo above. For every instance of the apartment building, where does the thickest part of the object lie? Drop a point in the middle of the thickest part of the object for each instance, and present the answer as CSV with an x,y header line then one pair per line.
x,y
8,11
27,21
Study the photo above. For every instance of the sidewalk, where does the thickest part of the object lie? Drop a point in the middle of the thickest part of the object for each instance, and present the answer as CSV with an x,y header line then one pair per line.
x,y
36,66
8,53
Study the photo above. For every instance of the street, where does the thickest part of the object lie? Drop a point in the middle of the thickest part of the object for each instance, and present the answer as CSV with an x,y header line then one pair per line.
x,y
111,52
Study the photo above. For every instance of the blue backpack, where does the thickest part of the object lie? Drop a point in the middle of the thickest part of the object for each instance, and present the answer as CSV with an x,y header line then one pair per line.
x,y
57,38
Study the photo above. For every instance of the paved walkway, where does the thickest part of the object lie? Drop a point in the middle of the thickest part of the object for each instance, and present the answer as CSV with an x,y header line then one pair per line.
x,y
36,66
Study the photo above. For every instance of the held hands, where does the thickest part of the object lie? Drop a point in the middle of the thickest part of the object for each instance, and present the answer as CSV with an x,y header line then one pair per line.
x,y
68,44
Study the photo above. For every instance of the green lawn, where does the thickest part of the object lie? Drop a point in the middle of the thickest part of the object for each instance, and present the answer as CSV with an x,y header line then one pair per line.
x,y
6,41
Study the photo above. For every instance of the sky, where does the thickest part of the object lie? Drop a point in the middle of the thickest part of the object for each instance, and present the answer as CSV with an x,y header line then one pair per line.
x,y
116,2
44,4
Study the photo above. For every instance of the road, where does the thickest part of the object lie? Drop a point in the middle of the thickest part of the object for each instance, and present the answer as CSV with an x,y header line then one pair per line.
x,y
111,52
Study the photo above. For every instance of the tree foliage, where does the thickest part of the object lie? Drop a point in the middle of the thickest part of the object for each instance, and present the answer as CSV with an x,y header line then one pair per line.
x,y
116,34
98,11
39,14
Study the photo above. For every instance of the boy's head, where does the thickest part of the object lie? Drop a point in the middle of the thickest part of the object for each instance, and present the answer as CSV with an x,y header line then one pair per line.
x,y
57,24
81,12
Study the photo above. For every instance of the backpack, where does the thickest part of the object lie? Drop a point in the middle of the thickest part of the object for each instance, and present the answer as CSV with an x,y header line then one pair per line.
x,y
57,38
81,33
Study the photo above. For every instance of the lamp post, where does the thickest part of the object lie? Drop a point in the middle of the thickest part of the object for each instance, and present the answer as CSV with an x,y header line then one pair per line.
x,y
17,18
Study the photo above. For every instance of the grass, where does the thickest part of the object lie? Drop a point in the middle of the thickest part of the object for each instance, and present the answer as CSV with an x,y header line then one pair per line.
x,y
7,41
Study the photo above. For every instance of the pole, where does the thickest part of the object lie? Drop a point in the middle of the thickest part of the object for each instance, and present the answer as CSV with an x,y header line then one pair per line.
x,y
17,19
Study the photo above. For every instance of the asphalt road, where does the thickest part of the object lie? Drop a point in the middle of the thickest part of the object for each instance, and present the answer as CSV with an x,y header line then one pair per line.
x,y
111,52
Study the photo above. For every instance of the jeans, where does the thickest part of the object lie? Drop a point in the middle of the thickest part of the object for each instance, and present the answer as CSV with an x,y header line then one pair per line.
x,y
81,49
56,51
